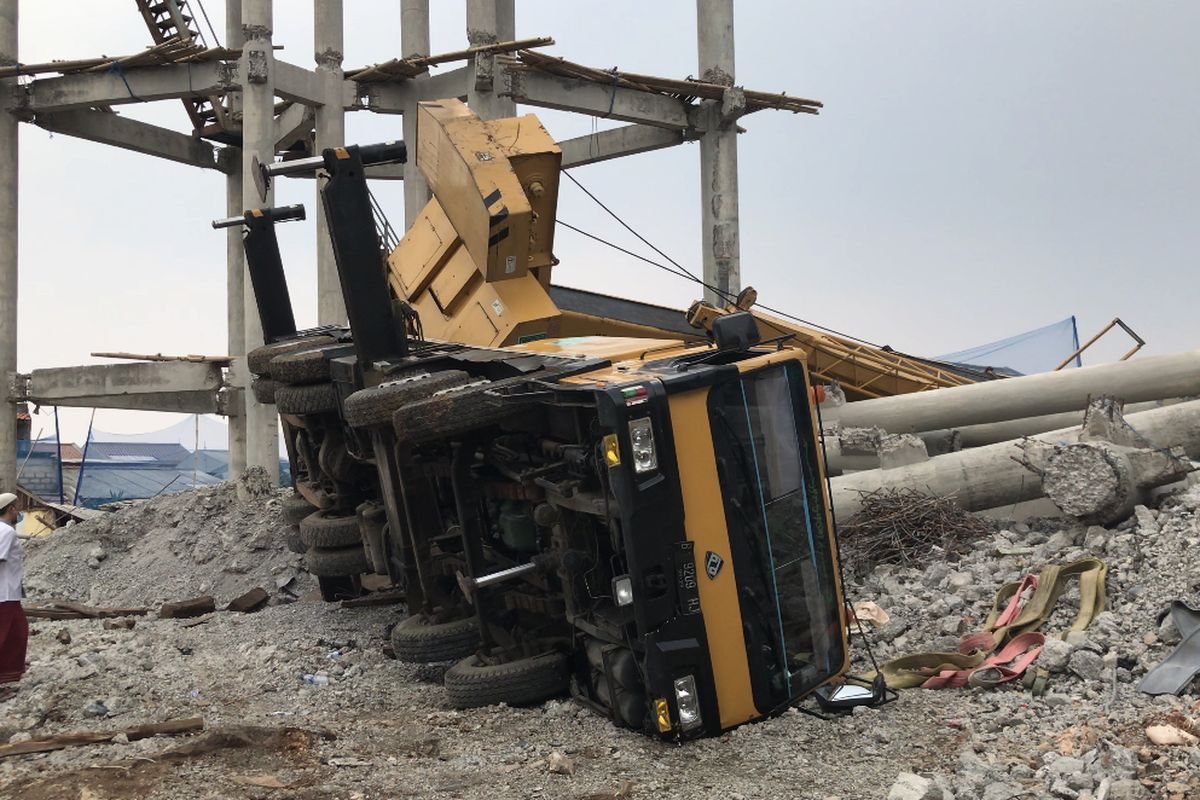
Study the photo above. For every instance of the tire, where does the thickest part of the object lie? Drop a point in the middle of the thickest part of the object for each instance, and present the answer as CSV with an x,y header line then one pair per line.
x,y
316,398
303,366
263,390
293,541
295,509
259,359
471,683
336,563
375,406
326,529
457,411
418,640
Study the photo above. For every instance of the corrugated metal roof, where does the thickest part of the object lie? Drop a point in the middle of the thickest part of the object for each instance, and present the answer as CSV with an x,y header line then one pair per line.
x,y
106,483
168,453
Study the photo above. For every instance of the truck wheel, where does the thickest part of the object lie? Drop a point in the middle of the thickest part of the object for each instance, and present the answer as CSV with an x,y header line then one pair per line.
x,y
259,359
376,405
472,683
456,411
295,509
316,398
329,529
263,390
421,640
293,542
303,366
334,563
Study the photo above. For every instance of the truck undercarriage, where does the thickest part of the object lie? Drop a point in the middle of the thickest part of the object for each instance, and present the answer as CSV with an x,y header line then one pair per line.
x,y
640,522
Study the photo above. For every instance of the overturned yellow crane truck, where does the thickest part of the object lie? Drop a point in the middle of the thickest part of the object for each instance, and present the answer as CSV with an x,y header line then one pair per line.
x,y
573,503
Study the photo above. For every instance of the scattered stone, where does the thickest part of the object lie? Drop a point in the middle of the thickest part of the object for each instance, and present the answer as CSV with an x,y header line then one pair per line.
x,y
63,636
96,708
1086,664
561,764
1169,735
910,786
1055,655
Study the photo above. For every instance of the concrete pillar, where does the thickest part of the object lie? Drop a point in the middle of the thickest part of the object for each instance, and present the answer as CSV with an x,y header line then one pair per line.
x,y
718,153
235,262
331,132
991,476
8,250
486,20
414,40
992,432
1152,378
258,139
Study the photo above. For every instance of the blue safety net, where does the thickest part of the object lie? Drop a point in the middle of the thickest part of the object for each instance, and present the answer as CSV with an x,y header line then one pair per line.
x,y
1039,350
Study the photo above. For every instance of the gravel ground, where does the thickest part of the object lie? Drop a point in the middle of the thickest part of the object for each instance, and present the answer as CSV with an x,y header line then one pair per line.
x,y
382,729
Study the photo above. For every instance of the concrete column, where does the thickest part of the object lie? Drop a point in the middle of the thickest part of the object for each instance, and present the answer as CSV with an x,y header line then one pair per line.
x,y
991,476
1152,378
718,153
331,132
258,139
414,40
486,20
235,262
8,250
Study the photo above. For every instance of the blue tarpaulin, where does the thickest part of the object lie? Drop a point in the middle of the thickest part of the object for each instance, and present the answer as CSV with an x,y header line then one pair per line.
x,y
1039,350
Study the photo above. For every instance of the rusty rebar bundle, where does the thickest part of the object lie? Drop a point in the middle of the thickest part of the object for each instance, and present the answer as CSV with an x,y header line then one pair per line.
x,y
905,526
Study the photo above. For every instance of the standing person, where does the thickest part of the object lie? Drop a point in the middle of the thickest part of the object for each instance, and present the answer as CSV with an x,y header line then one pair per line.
x,y
14,628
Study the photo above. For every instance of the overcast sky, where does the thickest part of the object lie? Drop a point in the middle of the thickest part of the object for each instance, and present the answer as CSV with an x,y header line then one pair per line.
x,y
979,169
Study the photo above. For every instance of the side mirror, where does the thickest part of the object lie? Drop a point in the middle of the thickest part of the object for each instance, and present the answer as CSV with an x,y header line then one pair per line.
x,y
736,331
848,695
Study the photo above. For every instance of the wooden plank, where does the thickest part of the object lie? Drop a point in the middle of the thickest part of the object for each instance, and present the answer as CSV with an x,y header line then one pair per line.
x,y
188,608
61,609
65,740
375,599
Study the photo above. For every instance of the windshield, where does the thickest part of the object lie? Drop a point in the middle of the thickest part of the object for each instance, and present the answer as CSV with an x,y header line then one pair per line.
x,y
783,564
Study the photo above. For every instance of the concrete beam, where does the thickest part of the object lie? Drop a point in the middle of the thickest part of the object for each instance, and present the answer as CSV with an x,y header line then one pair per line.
x,y
260,69
991,476
328,40
58,385
1139,380
585,97
486,21
718,152
293,125
624,141
134,85
130,134
298,84
177,402
235,265
9,204
391,98
414,40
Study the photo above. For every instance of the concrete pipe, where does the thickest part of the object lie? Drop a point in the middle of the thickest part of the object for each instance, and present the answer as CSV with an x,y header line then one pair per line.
x,y
1033,395
991,476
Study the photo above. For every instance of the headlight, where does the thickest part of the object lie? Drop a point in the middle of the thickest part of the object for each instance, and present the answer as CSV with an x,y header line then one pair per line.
x,y
622,587
687,702
641,437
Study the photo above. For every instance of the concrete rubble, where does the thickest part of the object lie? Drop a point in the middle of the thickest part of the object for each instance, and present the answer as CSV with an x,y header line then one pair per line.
x,y
320,669
362,725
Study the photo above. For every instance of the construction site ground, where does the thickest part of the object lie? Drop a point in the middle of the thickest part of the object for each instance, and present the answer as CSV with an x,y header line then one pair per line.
x,y
383,729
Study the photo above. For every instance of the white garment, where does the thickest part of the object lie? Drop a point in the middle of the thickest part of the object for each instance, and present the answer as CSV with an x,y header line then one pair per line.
x,y
10,563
